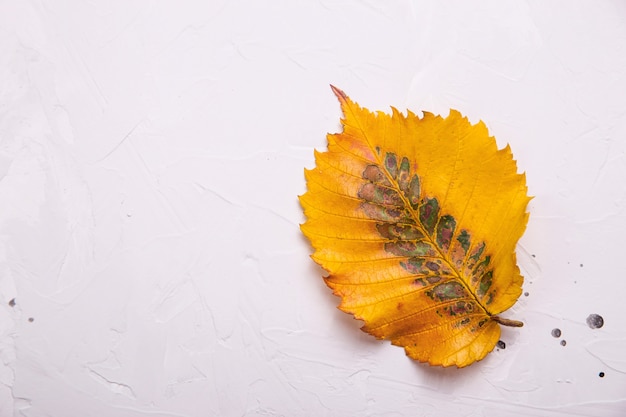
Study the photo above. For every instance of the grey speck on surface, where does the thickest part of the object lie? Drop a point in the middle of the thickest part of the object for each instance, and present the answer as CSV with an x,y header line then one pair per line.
x,y
595,321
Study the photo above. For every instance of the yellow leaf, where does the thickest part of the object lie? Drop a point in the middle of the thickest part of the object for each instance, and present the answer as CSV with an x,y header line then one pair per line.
x,y
416,221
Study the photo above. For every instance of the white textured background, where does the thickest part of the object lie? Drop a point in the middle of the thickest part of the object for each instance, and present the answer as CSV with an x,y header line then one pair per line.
x,y
151,154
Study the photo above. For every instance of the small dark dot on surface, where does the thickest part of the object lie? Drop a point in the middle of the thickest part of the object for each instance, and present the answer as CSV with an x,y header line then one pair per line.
x,y
526,294
533,255
581,265
30,319
595,321
556,332
12,302
563,343
501,344
601,374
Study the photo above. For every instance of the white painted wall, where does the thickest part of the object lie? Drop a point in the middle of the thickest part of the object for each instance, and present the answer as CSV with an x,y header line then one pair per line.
x,y
151,154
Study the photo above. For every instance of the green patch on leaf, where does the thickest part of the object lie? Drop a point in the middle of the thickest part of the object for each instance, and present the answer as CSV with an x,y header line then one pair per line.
x,y
429,211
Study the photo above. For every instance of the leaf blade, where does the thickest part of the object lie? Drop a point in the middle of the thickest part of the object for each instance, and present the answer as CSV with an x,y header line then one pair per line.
x,y
411,217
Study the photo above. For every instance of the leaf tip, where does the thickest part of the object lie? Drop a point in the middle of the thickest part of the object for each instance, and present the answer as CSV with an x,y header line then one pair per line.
x,y
339,93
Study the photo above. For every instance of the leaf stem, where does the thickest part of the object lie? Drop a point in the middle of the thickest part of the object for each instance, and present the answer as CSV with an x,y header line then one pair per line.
x,y
507,322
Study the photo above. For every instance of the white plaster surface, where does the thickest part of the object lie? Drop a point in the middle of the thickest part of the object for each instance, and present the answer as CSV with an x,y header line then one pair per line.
x,y
151,154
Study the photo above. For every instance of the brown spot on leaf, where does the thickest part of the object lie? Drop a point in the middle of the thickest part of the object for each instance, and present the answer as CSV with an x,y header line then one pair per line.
x,y
413,192
447,291
403,175
485,284
382,213
473,258
420,282
374,174
433,279
395,231
480,269
413,265
462,323
429,211
379,194
464,239
445,231
391,164
408,248
433,266
460,308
